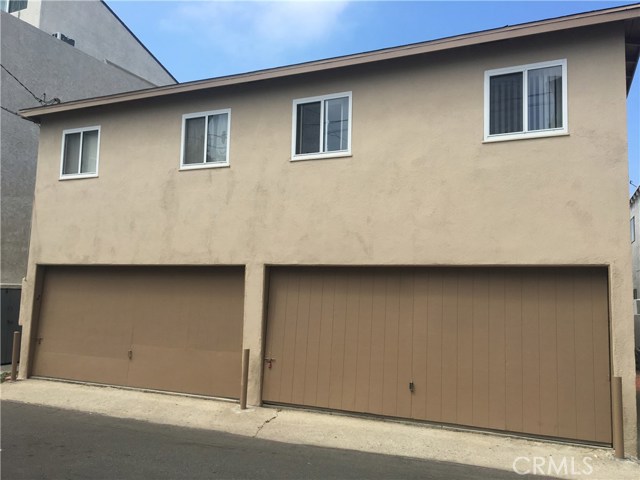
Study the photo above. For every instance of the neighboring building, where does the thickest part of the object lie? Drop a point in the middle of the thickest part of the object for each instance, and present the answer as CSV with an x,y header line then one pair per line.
x,y
634,207
394,232
106,59
93,28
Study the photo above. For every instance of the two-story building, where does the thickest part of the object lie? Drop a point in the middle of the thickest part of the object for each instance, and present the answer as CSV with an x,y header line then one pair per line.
x,y
393,233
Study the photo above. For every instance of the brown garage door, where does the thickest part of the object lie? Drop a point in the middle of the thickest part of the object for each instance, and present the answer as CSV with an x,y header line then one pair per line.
x,y
165,328
513,349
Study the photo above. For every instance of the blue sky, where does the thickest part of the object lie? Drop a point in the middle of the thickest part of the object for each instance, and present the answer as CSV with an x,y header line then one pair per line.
x,y
203,39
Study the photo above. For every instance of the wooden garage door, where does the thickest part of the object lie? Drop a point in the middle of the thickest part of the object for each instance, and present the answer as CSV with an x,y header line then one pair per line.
x,y
513,349
164,328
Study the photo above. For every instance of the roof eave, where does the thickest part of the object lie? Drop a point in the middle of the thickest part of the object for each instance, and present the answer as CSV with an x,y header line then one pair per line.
x,y
465,40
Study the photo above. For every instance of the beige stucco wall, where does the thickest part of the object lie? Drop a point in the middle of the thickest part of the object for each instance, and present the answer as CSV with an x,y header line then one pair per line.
x,y
421,187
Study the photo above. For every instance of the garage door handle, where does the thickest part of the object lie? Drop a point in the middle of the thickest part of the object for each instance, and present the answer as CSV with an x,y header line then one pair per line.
x,y
130,354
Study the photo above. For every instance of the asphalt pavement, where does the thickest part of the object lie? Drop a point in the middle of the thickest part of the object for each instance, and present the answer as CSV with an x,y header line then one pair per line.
x,y
41,442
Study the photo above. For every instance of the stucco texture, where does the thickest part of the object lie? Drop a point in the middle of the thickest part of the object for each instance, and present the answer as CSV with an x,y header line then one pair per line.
x,y
421,187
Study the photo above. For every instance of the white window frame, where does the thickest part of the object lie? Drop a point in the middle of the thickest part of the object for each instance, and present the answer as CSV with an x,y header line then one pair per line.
x,y
526,133
74,176
294,125
633,229
197,166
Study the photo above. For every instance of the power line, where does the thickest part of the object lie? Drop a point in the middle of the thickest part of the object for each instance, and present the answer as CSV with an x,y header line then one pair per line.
x,y
40,100
17,114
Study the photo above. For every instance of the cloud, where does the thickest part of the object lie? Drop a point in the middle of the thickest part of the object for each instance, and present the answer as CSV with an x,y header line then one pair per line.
x,y
238,33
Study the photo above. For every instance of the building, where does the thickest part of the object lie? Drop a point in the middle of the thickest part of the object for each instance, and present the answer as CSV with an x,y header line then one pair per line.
x,y
84,59
93,28
634,207
388,233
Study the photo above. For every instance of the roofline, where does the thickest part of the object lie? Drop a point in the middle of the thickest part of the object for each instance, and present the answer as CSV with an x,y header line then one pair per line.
x,y
138,40
634,197
595,17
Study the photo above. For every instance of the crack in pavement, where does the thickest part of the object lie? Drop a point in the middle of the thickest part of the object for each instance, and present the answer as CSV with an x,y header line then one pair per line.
x,y
267,421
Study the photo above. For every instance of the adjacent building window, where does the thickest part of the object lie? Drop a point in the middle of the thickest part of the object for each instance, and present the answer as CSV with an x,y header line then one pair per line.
x,y
11,6
205,139
526,101
322,127
80,152
633,229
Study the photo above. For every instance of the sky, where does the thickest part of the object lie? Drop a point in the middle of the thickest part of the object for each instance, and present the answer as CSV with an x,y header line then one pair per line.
x,y
206,38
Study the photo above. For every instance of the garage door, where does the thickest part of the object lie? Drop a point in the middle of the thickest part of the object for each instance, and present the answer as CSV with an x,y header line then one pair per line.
x,y
511,349
164,328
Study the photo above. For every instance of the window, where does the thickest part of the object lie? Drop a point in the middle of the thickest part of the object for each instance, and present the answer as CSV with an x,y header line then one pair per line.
x,y
80,153
633,229
526,101
11,6
322,127
205,139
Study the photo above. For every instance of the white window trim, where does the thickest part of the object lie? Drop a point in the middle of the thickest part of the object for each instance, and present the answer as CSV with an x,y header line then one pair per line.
x,y
633,229
500,137
199,166
295,157
75,176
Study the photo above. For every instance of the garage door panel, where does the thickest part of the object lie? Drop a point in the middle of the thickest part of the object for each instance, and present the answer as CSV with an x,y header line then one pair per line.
x,y
67,366
198,372
277,303
465,351
64,332
497,355
548,354
289,337
363,342
567,422
300,342
510,349
324,340
449,346
434,345
514,383
530,354
480,357
601,358
349,341
418,345
405,327
312,359
83,337
378,317
335,360
225,381
177,322
585,388
390,354
218,315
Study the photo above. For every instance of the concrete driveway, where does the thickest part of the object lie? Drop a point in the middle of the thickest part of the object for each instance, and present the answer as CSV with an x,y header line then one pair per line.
x,y
46,442
298,427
